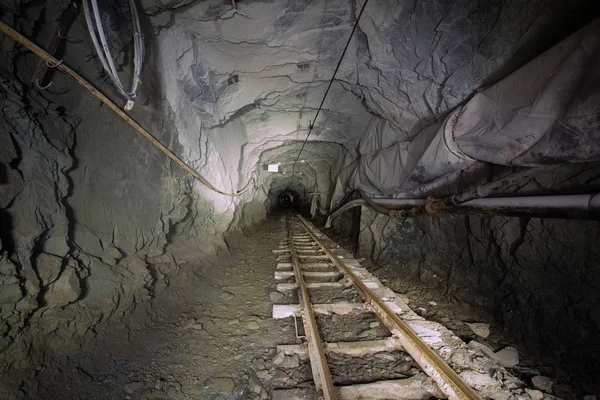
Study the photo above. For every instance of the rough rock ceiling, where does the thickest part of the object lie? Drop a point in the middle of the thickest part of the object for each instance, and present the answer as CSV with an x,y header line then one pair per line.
x,y
408,63
252,77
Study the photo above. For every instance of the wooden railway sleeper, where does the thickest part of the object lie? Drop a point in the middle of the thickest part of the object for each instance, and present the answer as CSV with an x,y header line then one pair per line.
x,y
432,364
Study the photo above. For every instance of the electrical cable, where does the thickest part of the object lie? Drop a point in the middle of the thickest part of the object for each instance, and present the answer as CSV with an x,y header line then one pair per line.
x,y
100,43
312,125
58,64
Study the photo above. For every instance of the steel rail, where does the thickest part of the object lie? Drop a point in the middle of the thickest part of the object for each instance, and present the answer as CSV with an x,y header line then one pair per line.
x,y
449,382
318,362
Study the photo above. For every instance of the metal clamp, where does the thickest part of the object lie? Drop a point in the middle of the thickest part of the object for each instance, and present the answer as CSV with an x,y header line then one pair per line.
x,y
433,206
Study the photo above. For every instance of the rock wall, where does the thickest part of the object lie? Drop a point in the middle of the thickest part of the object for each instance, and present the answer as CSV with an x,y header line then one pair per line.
x,y
94,219
538,277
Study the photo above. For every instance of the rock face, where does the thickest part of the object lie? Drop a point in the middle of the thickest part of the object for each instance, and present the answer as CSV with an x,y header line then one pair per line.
x,y
524,271
86,208
66,289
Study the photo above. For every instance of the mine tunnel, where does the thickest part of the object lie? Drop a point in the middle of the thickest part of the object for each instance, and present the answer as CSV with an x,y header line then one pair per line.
x,y
289,199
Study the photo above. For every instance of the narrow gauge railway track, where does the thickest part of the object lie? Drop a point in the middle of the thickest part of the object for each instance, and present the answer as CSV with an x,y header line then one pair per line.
x,y
317,268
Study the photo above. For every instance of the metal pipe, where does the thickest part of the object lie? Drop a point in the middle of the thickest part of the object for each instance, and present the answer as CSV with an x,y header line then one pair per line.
x,y
399,203
390,207
582,202
377,207
499,185
578,206
340,210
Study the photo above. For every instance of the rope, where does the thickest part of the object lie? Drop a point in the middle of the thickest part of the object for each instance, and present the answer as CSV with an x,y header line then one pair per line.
x,y
99,40
312,125
58,64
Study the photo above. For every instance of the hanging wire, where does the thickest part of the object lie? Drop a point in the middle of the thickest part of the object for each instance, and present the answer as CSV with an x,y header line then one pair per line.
x,y
312,125
100,43
58,64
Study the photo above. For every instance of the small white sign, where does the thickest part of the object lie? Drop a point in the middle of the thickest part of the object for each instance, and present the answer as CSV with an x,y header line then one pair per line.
x,y
273,168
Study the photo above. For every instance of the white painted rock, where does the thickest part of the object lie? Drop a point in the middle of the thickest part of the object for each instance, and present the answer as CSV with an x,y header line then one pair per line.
x,y
480,329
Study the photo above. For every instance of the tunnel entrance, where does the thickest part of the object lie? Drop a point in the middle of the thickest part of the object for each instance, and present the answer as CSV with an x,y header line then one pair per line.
x,y
286,200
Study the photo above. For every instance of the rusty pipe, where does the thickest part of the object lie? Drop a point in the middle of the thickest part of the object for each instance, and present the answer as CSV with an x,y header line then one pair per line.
x,y
578,206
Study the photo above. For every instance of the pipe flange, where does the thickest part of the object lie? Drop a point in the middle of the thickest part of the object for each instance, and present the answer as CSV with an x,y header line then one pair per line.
x,y
395,213
433,206
416,211
406,213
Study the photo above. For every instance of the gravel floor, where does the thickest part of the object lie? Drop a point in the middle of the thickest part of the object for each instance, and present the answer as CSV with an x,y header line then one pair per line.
x,y
202,338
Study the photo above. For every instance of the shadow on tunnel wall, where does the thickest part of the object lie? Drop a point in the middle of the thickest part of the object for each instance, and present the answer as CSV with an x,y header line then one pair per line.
x,y
7,243
6,236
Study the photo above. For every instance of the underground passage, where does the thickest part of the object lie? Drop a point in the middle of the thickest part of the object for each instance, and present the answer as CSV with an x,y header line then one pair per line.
x,y
299,199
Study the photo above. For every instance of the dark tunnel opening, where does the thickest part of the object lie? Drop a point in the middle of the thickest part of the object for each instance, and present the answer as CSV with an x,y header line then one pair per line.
x,y
287,200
